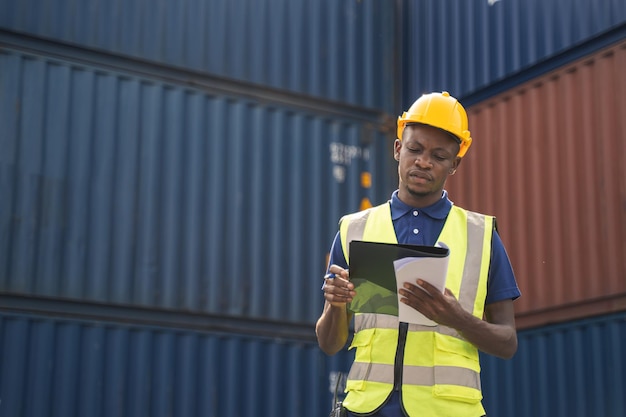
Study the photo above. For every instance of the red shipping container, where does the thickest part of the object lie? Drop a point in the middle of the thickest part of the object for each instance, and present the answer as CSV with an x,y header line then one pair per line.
x,y
548,161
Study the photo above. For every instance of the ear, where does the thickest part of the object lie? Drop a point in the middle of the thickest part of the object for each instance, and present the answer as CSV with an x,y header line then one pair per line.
x,y
455,165
397,145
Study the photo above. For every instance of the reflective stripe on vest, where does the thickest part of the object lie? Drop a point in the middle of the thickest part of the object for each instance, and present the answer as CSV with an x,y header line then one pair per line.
x,y
417,375
384,372
439,365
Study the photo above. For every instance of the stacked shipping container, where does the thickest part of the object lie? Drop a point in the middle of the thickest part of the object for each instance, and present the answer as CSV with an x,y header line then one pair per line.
x,y
172,172
574,368
60,367
557,184
162,195
466,47
545,84
340,51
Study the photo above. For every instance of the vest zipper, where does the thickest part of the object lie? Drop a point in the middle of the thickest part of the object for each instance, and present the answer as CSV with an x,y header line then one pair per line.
x,y
399,360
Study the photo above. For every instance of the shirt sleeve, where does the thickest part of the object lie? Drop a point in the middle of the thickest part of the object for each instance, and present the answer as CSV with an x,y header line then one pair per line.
x,y
336,254
501,284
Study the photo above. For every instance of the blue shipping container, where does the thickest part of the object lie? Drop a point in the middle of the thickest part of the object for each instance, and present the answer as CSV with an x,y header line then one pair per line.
x,y
574,369
119,187
342,50
66,367
72,368
466,46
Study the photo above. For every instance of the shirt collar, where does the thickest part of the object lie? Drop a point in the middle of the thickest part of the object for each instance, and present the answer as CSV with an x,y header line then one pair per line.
x,y
439,210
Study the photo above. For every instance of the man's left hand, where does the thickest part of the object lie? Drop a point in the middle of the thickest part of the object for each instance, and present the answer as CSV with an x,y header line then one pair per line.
x,y
442,308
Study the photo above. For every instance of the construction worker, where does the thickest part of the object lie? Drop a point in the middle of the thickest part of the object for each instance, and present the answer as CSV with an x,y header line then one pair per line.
x,y
403,369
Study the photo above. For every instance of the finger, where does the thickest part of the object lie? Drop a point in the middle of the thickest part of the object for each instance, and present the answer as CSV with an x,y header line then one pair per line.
x,y
449,293
329,279
334,294
338,281
344,287
429,288
418,301
339,271
335,269
408,292
337,286
416,291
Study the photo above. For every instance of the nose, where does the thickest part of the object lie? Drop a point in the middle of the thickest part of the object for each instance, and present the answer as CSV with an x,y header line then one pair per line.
x,y
423,162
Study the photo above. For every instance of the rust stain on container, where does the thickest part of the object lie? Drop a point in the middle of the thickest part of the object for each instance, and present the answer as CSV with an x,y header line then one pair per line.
x,y
548,162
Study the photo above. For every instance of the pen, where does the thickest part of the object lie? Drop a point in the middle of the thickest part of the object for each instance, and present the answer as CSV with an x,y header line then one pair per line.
x,y
327,276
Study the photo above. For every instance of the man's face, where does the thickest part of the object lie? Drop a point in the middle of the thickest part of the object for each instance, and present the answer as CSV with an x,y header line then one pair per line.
x,y
426,156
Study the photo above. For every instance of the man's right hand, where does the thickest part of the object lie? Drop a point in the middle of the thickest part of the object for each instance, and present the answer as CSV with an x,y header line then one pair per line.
x,y
332,326
338,290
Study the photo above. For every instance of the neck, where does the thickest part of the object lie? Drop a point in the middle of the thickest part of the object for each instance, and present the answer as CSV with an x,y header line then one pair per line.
x,y
419,200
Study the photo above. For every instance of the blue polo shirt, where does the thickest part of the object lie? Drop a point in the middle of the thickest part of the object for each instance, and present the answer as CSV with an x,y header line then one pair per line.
x,y
422,227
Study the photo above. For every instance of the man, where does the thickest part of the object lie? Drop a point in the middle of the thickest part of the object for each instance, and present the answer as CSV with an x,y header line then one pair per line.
x,y
403,369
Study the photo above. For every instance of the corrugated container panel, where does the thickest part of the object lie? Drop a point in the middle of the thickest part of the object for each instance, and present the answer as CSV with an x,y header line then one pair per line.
x,y
547,160
51,367
576,369
121,188
464,46
338,50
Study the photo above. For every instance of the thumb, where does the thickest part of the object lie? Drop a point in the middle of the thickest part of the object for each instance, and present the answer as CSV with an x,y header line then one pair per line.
x,y
449,293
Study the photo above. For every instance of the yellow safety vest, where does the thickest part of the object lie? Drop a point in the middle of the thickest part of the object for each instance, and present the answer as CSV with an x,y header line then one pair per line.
x,y
440,370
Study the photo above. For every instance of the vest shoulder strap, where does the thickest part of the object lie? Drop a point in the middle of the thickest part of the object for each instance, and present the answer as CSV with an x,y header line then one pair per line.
x,y
353,226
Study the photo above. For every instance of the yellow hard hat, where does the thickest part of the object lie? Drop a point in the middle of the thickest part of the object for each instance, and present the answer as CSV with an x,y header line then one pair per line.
x,y
439,110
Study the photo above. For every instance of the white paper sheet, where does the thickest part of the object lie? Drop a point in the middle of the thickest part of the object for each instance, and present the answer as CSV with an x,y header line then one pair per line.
x,y
431,270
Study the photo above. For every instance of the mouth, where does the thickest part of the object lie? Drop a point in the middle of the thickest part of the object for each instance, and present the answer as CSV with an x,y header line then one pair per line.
x,y
419,175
